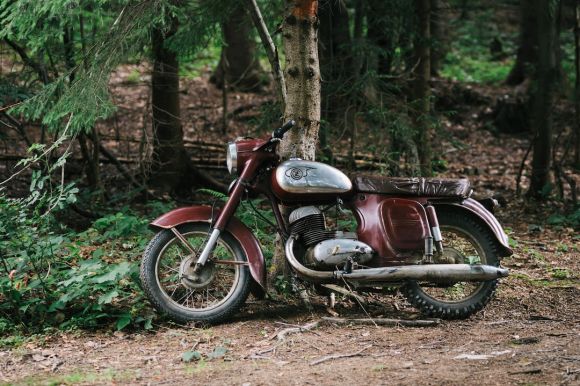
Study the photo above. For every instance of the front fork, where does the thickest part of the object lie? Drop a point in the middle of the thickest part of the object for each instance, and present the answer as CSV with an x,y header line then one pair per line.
x,y
221,223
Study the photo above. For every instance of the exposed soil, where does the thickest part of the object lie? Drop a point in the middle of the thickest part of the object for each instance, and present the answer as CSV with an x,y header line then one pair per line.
x,y
529,334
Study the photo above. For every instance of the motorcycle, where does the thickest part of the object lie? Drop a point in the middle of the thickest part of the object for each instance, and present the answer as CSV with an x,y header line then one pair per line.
x,y
425,234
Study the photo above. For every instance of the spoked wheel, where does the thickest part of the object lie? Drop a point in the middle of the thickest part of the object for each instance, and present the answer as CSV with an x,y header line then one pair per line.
x,y
211,295
465,242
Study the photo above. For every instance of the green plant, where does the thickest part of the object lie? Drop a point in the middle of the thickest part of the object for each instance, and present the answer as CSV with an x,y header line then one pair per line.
x,y
51,276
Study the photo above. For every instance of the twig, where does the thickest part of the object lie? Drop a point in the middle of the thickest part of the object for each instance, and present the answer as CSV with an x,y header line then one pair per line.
x,y
339,356
528,371
361,305
120,167
270,48
35,159
522,165
293,330
346,292
385,322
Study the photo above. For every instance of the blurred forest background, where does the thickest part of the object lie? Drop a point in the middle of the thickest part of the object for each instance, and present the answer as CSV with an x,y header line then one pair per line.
x,y
115,111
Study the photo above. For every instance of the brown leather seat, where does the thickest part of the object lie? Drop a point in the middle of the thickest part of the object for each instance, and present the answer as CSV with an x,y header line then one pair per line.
x,y
413,186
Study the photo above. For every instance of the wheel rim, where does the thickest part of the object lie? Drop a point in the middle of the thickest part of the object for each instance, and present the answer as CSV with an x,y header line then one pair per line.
x,y
217,286
460,247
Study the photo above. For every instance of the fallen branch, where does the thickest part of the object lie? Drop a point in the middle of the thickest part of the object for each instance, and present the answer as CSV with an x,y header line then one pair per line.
x,y
346,292
293,330
121,168
339,356
385,322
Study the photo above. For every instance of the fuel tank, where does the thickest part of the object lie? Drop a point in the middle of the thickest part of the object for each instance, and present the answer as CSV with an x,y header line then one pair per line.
x,y
298,180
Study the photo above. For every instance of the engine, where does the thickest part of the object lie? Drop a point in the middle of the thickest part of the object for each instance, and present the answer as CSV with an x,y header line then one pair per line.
x,y
326,248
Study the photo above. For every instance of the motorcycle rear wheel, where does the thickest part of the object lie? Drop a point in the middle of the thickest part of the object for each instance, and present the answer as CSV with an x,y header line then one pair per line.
x,y
211,296
466,241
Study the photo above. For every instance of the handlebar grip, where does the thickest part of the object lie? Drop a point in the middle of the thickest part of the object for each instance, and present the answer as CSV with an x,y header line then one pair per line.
x,y
279,132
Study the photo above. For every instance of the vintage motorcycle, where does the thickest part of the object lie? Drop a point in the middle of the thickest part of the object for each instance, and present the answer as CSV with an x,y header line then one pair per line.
x,y
425,234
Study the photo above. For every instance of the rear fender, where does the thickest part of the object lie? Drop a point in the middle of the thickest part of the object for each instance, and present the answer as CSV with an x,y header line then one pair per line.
x,y
235,227
474,208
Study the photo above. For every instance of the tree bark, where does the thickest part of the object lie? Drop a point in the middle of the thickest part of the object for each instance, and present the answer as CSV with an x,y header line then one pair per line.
x,y
577,88
421,87
528,43
439,34
302,75
169,156
239,66
545,80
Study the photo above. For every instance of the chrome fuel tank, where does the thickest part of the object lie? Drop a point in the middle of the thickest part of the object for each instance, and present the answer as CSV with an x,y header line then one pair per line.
x,y
295,178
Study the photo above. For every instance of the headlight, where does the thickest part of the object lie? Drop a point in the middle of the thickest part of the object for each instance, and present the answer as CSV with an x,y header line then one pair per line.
x,y
232,158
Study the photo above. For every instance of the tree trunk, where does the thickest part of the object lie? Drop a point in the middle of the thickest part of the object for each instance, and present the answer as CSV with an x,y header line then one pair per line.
x,y
577,89
302,74
421,87
380,33
440,35
169,156
545,79
528,44
239,65
335,53
334,50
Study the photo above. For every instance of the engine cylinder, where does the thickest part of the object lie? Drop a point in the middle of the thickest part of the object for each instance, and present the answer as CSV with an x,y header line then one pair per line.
x,y
308,223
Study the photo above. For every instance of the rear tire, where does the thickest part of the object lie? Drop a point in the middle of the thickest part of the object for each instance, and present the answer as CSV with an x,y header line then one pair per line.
x,y
160,278
432,302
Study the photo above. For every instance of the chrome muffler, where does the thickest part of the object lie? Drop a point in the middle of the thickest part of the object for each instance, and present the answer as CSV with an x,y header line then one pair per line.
x,y
426,272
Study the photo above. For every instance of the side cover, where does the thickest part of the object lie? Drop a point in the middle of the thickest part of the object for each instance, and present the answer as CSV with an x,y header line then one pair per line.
x,y
235,227
391,226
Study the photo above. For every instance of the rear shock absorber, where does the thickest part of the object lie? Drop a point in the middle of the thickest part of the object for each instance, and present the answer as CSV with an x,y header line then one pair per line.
x,y
435,230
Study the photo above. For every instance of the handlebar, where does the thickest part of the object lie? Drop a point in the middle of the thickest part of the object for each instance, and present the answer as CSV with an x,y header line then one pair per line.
x,y
279,132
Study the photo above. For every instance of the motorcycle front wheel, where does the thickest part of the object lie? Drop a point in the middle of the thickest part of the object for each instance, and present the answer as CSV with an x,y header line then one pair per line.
x,y
465,241
209,296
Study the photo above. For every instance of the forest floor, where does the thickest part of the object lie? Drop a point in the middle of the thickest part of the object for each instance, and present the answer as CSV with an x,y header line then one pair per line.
x,y
529,334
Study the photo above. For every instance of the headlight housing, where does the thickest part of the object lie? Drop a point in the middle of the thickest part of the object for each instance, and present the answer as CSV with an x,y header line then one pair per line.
x,y
232,158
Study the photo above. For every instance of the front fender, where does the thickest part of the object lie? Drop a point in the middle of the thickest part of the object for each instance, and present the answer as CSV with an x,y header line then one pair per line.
x,y
235,227
475,208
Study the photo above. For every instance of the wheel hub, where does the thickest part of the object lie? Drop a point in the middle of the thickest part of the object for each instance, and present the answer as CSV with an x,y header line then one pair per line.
x,y
196,280
450,255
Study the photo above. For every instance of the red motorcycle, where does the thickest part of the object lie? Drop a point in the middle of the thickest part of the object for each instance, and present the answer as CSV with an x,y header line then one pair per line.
x,y
426,234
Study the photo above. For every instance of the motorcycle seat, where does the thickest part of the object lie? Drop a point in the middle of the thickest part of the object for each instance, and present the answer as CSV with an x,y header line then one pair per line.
x,y
413,186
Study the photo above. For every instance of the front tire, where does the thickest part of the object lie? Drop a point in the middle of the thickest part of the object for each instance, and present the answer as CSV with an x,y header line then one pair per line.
x,y
219,290
466,241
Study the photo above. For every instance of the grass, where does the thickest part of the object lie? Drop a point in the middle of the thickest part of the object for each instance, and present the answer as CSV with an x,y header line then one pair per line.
x,y
207,59
78,377
544,283
469,58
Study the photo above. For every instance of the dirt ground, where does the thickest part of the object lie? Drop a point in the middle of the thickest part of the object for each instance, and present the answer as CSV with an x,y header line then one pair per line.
x,y
529,334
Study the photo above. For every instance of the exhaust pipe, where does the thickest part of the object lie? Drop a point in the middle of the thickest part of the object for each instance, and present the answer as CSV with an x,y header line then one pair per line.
x,y
427,272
